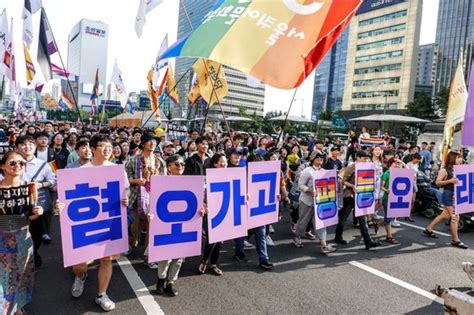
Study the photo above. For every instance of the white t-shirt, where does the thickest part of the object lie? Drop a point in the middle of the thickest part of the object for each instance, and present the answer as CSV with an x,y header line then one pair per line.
x,y
108,163
43,155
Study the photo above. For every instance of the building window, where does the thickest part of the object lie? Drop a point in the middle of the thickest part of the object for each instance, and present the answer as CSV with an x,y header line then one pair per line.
x,y
382,43
388,106
389,93
383,81
390,54
383,18
380,31
392,67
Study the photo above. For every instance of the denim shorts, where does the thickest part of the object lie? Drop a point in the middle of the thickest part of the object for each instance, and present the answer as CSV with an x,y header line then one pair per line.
x,y
447,198
385,209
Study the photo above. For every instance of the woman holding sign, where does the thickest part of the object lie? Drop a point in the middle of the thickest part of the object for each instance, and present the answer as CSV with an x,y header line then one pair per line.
x,y
16,249
447,181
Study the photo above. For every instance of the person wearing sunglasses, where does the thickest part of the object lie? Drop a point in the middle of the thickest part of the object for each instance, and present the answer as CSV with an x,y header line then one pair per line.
x,y
16,248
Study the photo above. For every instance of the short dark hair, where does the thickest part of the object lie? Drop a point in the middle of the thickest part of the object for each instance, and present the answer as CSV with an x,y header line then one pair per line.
x,y
136,131
23,139
425,143
173,158
200,140
416,156
100,137
80,144
40,134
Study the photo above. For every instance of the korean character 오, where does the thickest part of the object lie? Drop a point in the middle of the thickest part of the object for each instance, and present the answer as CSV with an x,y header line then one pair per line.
x,y
277,32
266,21
235,15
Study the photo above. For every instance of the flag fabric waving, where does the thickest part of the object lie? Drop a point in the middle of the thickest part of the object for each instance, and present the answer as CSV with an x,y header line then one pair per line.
x,y
119,85
9,60
65,102
4,34
254,37
59,72
30,68
160,64
95,89
172,90
194,93
27,24
46,47
467,134
153,94
144,8
211,80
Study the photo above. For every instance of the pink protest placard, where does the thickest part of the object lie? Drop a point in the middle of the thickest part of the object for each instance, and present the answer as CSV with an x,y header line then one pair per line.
x,y
94,221
401,192
464,189
365,189
263,182
176,224
226,203
325,199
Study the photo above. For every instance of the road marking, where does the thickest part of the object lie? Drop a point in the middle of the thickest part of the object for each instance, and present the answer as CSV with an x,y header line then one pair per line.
x,y
398,282
422,228
140,289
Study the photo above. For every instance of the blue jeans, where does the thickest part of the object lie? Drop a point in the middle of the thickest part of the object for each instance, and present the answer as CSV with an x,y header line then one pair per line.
x,y
260,241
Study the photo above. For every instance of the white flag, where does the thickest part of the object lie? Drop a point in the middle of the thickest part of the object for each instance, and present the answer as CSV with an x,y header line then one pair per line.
x,y
9,58
27,24
17,93
119,85
160,64
4,34
35,6
144,8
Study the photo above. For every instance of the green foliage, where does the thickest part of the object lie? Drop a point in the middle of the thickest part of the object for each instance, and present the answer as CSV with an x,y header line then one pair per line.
x,y
422,107
325,116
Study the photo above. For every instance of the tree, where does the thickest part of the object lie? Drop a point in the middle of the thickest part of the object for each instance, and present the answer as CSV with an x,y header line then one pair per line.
x,y
422,107
441,101
325,115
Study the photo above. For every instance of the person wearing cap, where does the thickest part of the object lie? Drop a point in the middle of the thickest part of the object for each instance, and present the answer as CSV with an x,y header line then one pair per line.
x,y
348,181
168,149
306,203
234,156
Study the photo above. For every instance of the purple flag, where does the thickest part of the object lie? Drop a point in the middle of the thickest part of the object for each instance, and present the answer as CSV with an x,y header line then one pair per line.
x,y
467,134
401,193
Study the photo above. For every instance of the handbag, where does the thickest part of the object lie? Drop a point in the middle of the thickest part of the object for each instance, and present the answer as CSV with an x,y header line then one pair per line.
x,y
44,194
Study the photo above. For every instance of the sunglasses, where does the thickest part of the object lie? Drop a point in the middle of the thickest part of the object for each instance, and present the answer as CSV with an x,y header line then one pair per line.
x,y
178,164
14,163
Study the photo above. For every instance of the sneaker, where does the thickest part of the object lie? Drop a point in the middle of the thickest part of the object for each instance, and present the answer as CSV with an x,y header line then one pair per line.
x,y
269,241
170,290
266,264
468,269
46,239
372,245
293,227
248,245
395,223
309,236
104,302
151,265
297,241
327,249
78,286
160,286
271,230
240,257
340,241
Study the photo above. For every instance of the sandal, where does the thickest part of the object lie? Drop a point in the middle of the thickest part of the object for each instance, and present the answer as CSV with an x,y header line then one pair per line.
x,y
201,269
459,244
430,234
392,240
216,270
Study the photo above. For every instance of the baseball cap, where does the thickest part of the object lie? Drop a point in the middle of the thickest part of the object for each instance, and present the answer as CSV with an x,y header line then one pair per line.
x,y
167,144
72,130
316,154
231,151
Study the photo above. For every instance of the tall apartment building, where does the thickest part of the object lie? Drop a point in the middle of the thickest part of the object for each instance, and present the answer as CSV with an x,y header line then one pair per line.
x,y
454,35
329,78
240,94
382,55
87,51
426,68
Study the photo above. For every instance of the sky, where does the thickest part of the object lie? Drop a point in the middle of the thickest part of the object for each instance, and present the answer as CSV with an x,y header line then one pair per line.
x,y
136,55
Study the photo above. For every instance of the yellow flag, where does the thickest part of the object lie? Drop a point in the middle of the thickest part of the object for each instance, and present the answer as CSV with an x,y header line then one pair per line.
x,y
211,80
153,95
172,89
30,68
194,93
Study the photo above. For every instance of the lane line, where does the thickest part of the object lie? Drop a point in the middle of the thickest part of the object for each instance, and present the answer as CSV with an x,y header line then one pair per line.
x,y
141,291
422,228
398,282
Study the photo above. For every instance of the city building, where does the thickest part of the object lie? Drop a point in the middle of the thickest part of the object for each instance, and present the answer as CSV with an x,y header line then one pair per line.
x,y
87,51
382,55
329,78
55,91
240,94
454,35
426,69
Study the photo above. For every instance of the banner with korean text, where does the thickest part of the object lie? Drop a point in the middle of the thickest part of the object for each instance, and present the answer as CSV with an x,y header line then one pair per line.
x,y
263,184
365,189
464,189
176,223
94,221
325,198
401,192
226,203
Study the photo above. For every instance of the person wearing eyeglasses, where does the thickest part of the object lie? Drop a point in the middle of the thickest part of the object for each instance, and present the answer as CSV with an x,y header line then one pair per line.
x,y
17,269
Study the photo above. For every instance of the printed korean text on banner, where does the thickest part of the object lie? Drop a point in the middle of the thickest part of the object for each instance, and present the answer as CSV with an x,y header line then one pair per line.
x,y
467,134
263,186
176,226
325,199
13,199
365,189
226,203
94,221
464,189
401,193
253,36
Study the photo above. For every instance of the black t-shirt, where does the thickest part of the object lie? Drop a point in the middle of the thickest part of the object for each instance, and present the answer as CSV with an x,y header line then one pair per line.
x,y
332,164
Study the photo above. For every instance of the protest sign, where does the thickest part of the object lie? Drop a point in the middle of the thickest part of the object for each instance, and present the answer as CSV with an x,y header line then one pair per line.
x,y
263,184
325,198
12,200
464,189
94,221
4,148
401,192
365,189
226,203
176,224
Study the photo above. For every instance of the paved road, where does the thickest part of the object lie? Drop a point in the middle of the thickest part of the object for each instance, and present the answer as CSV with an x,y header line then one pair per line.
x,y
352,280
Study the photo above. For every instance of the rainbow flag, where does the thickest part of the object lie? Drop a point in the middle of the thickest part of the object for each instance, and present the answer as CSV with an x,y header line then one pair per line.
x,y
371,142
65,102
253,36
54,167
